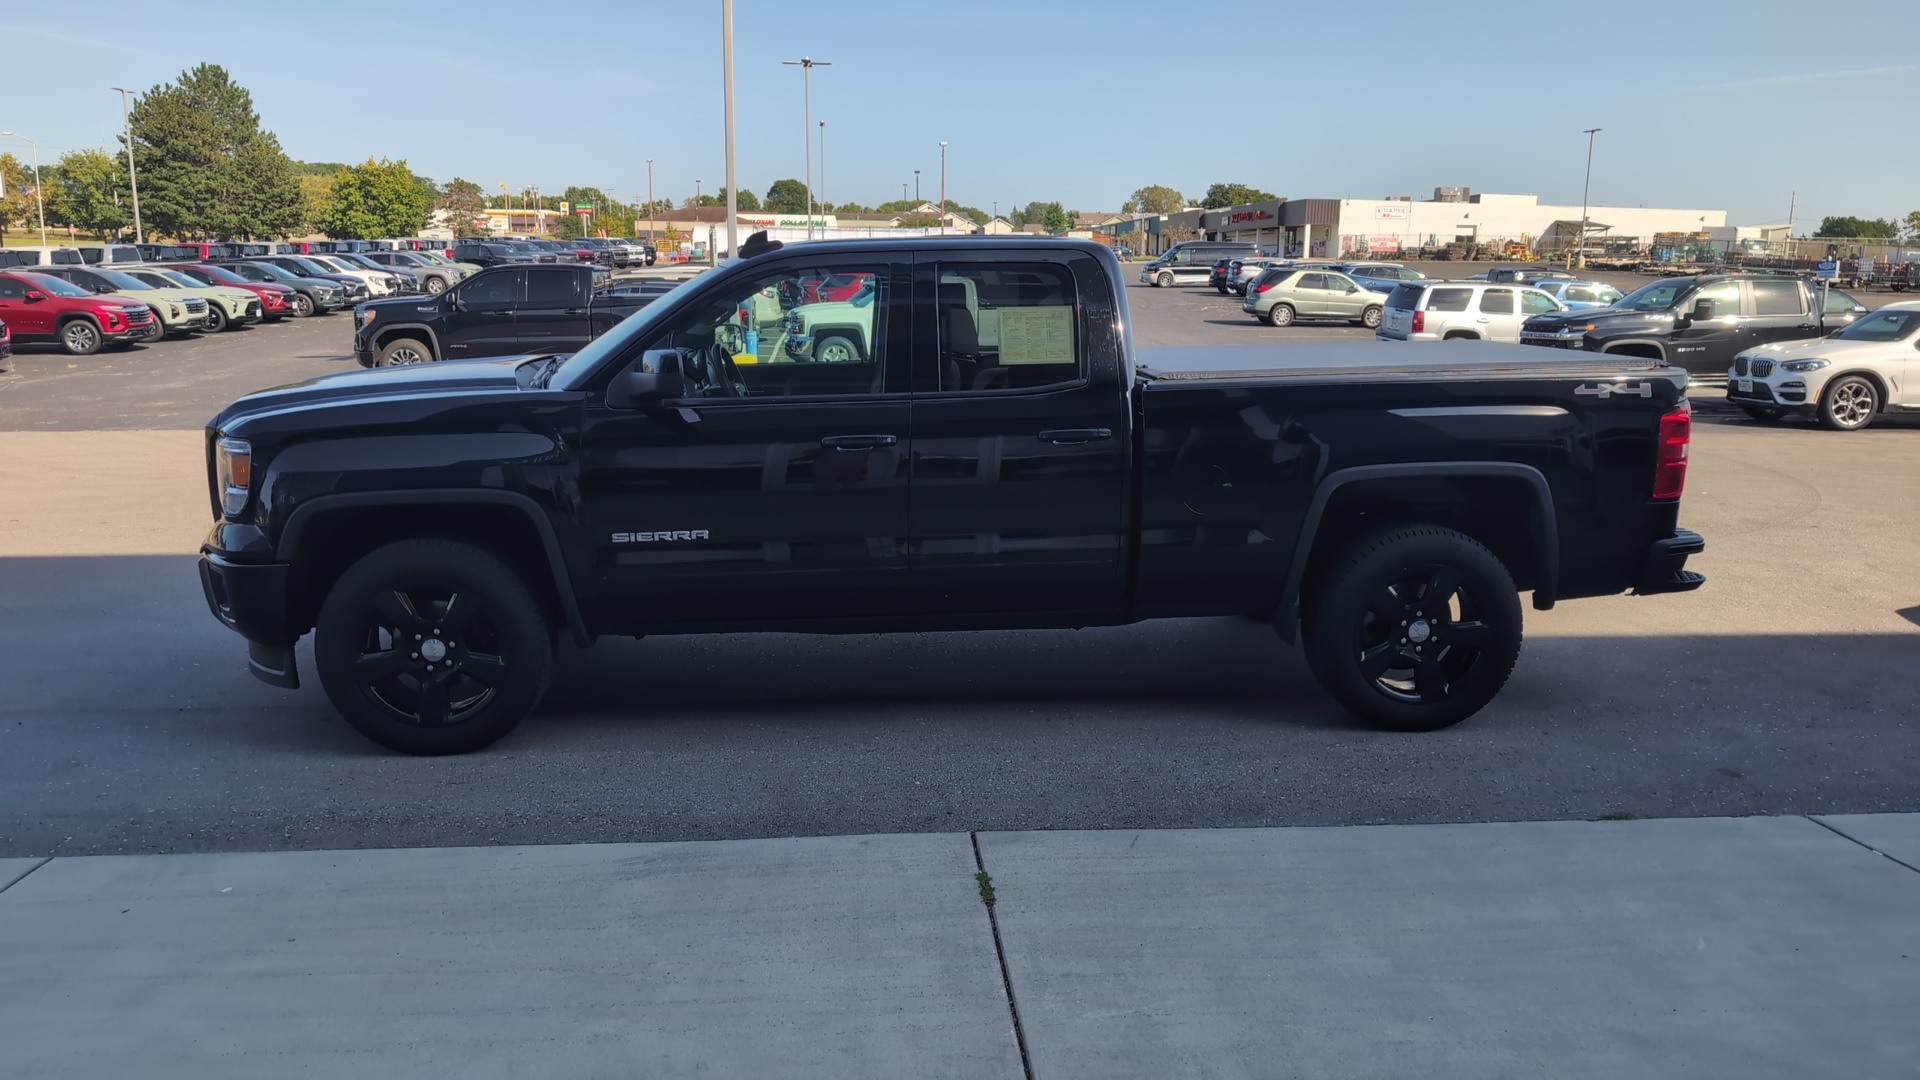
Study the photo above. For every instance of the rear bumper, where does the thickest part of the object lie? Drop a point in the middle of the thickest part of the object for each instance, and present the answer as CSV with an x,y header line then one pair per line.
x,y
1665,570
251,600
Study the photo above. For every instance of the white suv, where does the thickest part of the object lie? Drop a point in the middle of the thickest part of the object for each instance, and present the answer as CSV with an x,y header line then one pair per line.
x,y
1843,380
1449,310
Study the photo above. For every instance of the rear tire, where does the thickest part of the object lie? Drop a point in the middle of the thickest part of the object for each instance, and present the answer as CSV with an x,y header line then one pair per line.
x,y
432,647
1370,318
1280,315
1416,628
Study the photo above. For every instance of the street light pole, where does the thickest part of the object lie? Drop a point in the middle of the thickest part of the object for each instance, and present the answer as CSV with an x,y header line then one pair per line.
x,y
139,234
506,197
650,207
726,67
806,64
696,193
916,185
943,187
1581,251
823,167
38,200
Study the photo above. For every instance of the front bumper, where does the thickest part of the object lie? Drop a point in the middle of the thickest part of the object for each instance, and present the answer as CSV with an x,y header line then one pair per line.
x,y
1552,340
251,600
1665,568
1787,391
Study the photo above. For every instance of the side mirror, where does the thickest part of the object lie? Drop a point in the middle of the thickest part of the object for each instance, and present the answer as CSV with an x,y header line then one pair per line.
x,y
34,295
454,301
1702,309
656,378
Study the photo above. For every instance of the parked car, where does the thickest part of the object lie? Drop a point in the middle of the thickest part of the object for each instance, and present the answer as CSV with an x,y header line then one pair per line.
x,y
1284,295
405,281
1870,366
228,306
1700,322
52,255
490,254
1461,310
353,288
506,309
276,300
1527,275
175,310
1190,262
37,307
651,482
1217,274
379,281
6,340
1580,295
108,254
168,253
1243,272
1379,276
312,295
429,278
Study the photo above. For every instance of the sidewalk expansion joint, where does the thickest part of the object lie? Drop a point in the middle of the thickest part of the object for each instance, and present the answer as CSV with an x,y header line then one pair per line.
x,y
1869,847
45,861
985,881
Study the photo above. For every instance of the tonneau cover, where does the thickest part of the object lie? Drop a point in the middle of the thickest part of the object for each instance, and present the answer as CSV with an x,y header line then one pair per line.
x,y
1383,359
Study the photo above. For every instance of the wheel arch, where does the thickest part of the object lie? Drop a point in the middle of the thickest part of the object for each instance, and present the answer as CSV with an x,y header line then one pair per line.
x,y
1879,384
1351,501
1641,347
847,330
325,535
386,335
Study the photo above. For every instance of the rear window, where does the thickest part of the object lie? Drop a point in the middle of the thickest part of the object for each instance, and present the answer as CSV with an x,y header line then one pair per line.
x,y
1405,297
1449,299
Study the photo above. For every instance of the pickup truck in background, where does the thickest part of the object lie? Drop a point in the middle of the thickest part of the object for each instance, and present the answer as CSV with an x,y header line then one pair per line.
x,y
496,312
995,455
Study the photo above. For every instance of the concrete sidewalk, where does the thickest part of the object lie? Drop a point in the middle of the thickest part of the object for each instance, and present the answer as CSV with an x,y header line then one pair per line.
x,y
1751,947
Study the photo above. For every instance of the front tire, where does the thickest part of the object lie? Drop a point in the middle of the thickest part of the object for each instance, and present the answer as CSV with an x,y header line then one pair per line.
x,y
432,647
80,338
402,351
836,350
158,331
217,321
1280,315
1763,412
436,286
302,305
1416,629
1849,403
1164,281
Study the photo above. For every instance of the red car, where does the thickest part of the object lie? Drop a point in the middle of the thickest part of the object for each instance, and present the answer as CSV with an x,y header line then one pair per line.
x,y
276,301
6,341
37,307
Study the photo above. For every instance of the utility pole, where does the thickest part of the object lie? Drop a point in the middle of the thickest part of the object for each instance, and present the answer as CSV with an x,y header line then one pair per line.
x,y
943,187
916,185
38,200
506,197
696,193
139,234
726,68
650,206
823,168
806,64
1584,193
1793,203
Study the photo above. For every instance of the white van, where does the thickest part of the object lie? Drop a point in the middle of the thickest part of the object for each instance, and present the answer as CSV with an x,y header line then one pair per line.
x,y
57,255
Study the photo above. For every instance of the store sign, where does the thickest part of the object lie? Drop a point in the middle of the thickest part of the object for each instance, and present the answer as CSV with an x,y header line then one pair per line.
x,y
1248,215
798,221
1390,213
1383,243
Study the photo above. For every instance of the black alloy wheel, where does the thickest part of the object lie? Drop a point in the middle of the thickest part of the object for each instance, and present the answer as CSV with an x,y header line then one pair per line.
x,y
1416,629
158,330
432,647
216,317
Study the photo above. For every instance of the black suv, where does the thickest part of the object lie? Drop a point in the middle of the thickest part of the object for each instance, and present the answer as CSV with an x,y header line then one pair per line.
x,y
1700,322
488,254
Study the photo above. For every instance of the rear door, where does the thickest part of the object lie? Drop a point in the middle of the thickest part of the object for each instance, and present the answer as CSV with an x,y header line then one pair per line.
x,y
1308,294
479,318
1019,464
554,316
1499,315
1780,313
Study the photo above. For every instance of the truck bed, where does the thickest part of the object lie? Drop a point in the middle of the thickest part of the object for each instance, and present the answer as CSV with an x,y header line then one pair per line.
x,y
1383,359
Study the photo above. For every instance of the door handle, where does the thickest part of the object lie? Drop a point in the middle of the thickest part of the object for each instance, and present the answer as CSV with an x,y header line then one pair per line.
x,y
1483,320
853,443
576,311
1071,435
490,311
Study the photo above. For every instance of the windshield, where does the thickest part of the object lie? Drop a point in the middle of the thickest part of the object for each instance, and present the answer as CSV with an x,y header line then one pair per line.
x,y
174,278
1883,325
224,277
582,364
54,285
430,256
122,280
1656,296
314,266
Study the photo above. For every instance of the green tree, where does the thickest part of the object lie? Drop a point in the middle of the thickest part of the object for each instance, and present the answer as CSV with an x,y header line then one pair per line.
x,y
1056,217
1219,195
84,191
207,170
461,203
1858,228
375,198
1913,225
316,194
851,208
896,206
747,200
787,197
16,194
1155,199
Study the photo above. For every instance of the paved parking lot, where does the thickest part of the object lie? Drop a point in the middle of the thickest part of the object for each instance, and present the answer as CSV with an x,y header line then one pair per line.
x,y
130,725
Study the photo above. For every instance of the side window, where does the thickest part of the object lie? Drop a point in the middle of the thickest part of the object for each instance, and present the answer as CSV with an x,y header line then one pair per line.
x,y
1449,299
500,288
1008,327
1579,292
12,289
1839,301
1496,302
1311,281
1723,298
800,330
90,256
549,287
1537,303
1777,298
64,258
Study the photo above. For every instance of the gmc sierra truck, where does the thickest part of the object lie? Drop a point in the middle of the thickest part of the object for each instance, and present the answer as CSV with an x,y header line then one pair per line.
x,y
497,311
993,454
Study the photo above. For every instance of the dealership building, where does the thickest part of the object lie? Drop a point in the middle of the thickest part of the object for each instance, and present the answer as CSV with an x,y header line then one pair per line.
x,y
1336,227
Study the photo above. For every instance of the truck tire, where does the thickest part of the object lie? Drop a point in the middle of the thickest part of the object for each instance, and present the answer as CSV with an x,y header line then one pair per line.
x,y
1415,629
1164,280
401,351
431,646
1280,315
1848,403
80,337
837,349
302,305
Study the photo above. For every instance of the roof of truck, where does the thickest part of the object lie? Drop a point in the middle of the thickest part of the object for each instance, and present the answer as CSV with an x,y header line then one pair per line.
x,y
1444,360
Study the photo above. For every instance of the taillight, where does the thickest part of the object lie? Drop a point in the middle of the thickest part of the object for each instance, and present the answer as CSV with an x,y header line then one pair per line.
x,y
1670,453
1263,288
1419,322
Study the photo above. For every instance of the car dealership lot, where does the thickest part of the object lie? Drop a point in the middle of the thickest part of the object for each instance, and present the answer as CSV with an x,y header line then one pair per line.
x,y
131,724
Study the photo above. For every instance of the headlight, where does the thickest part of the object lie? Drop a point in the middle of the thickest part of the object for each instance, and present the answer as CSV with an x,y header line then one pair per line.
x,y
362,316
232,473
175,308
1804,365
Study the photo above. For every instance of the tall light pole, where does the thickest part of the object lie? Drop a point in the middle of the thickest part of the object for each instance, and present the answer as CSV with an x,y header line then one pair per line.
x,y
943,187
806,64
726,68
39,202
696,193
506,197
823,167
139,234
916,185
1581,251
650,207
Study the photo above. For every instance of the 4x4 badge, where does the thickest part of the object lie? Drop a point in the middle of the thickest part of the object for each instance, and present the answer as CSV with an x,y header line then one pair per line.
x,y
1606,390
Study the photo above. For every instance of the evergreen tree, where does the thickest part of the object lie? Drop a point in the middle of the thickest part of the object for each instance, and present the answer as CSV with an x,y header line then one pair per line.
x,y
206,169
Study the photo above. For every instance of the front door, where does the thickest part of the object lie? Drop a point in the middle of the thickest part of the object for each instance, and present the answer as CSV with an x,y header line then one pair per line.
x,y
1020,469
24,316
480,314
775,488
553,317
1713,332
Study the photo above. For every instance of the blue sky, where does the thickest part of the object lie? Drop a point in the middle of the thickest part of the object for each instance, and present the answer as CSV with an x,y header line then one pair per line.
x,y
1704,104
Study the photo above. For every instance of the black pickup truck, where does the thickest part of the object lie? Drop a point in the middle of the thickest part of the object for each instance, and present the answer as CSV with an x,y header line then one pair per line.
x,y
496,312
1699,322
988,452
